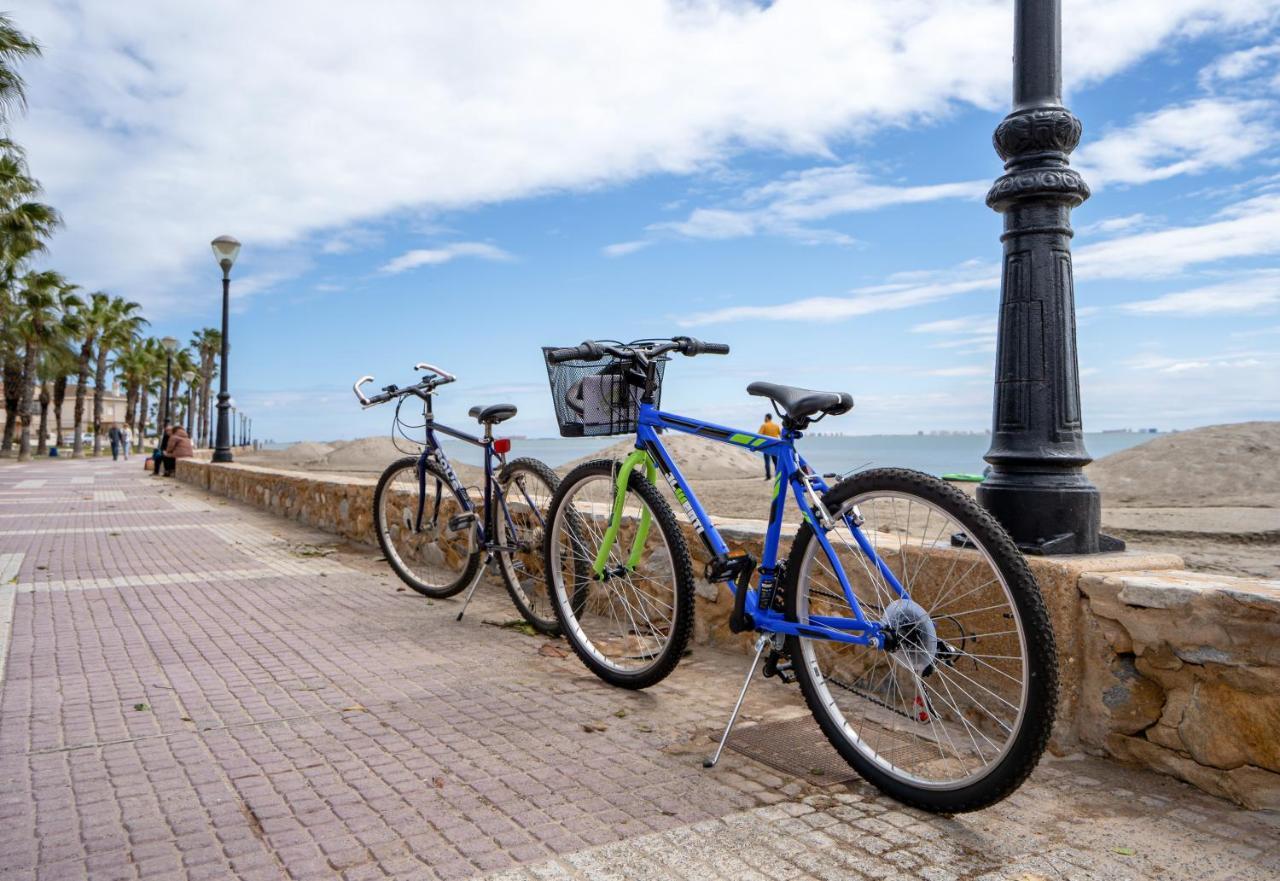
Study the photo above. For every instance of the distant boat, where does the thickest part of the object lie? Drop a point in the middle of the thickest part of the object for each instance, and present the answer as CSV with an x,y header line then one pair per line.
x,y
963,478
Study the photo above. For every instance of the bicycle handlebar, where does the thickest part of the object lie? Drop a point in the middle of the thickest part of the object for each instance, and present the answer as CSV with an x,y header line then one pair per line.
x,y
425,387
593,350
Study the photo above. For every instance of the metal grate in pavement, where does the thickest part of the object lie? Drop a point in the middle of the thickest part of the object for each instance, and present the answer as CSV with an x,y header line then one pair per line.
x,y
796,747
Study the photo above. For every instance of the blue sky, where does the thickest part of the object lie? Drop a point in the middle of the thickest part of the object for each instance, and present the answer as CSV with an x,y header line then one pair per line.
x,y
463,183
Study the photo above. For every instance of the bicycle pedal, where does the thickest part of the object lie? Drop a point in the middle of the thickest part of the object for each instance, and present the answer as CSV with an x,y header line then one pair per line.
x,y
459,522
778,664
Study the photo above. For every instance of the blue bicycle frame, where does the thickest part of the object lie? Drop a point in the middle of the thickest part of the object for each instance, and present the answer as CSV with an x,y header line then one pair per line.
x,y
793,472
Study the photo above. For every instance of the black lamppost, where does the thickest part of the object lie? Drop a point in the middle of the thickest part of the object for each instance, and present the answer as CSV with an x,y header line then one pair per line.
x,y
225,251
170,346
1037,487
190,377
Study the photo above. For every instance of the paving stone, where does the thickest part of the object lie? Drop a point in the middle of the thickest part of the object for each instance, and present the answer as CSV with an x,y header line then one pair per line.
x,y
184,695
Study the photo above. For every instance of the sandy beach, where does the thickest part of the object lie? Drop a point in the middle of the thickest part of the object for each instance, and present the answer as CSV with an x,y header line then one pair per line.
x,y
1210,495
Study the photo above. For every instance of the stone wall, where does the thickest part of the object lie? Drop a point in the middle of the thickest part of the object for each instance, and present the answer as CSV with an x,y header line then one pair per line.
x,y
1182,673
1173,670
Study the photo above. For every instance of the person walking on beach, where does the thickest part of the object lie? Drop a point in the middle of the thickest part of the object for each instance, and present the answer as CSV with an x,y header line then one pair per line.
x,y
126,441
117,440
179,448
769,428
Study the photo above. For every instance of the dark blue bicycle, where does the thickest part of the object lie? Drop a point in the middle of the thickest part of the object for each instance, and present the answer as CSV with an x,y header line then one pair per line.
x,y
430,529
911,621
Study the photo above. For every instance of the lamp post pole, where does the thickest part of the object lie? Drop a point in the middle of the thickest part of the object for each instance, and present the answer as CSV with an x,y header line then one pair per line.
x,y
190,377
225,250
1037,487
169,344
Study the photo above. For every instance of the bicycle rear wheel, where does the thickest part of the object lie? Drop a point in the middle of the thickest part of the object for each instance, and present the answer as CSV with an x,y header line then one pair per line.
x,y
955,712
519,522
631,623
431,558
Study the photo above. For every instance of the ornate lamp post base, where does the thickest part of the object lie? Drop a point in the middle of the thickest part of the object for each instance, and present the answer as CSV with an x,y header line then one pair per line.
x,y
1037,488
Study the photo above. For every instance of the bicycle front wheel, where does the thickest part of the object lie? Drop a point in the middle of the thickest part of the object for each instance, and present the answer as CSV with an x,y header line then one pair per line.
x,y
413,529
630,621
520,521
954,713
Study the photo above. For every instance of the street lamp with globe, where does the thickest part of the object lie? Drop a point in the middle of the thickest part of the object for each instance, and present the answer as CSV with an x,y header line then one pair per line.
x,y
225,251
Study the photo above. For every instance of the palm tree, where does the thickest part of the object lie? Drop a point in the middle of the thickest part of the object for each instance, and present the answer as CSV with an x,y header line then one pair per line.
x,y
121,323
24,226
151,368
93,317
15,47
42,298
208,343
60,363
56,361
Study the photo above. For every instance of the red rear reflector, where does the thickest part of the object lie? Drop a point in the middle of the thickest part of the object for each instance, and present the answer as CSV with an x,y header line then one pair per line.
x,y
502,445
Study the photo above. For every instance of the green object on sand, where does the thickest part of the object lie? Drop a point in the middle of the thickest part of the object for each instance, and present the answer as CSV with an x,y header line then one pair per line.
x,y
963,478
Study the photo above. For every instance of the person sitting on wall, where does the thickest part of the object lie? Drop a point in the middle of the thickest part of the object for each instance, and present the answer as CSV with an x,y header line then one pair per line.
x,y
179,448
157,457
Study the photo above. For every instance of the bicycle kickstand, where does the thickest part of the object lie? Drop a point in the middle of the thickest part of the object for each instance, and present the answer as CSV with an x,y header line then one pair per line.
x,y
466,601
733,717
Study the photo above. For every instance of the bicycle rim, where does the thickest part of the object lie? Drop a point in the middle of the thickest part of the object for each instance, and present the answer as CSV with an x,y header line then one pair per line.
x,y
427,554
943,709
624,621
521,522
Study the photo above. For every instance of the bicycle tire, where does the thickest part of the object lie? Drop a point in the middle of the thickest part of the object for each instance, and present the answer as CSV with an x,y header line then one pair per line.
x,y
1041,688
681,625
537,610
467,573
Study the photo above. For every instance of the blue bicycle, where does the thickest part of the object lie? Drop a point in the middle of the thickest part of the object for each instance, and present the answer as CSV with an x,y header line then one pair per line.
x,y
910,620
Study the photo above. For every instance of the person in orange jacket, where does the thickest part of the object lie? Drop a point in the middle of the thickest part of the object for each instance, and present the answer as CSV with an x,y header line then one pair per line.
x,y
769,428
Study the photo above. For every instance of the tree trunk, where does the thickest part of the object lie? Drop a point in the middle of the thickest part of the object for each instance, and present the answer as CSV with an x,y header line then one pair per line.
x,y
142,416
130,400
28,398
12,400
86,352
99,378
42,443
59,395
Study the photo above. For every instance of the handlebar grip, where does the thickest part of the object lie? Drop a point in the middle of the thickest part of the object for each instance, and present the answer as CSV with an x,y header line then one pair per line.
x,y
588,351
690,347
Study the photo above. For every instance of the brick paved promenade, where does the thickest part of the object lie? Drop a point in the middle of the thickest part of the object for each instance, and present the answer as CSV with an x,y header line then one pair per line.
x,y
195,690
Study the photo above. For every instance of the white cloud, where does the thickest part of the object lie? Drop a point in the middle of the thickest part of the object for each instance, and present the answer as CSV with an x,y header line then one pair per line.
x,y
1250,228
970,334
787,206
1256,292
156,125
1197,364
1236,66
1110,225
960,371
1182,139
900,291
435,256
621,249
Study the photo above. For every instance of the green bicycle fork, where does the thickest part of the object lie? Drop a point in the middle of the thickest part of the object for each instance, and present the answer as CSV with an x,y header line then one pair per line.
x,y
615,521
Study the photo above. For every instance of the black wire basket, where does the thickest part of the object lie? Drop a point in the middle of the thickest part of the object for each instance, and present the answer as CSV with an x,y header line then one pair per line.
x,y
598,398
